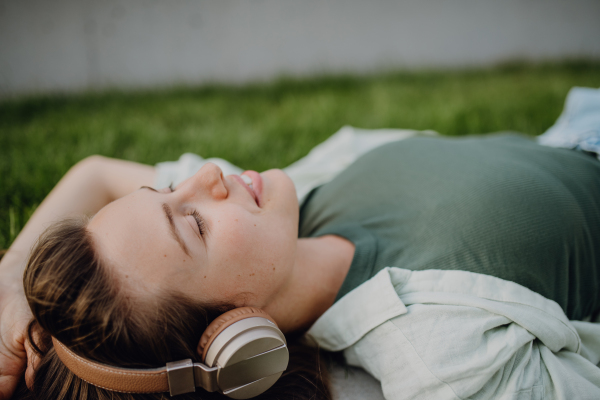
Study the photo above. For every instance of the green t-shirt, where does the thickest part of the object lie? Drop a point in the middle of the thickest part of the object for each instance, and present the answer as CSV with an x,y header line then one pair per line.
x,y
500,205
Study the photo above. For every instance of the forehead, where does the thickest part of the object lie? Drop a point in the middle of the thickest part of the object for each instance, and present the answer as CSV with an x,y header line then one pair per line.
x,y
132,235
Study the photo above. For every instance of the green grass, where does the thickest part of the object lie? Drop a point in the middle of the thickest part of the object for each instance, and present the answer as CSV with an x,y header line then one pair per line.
x,y
262,126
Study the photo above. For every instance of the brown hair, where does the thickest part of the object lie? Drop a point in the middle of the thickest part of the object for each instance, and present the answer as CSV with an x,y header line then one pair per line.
x,y
75,299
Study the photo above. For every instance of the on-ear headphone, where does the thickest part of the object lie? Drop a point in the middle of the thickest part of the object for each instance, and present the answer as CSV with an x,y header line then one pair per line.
x,y
243,355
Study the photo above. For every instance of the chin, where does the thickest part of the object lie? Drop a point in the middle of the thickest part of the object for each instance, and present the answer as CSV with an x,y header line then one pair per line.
x,y
280,187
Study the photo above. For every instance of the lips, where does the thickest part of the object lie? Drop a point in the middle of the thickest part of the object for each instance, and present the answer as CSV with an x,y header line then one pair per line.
x,y
257,185
252,182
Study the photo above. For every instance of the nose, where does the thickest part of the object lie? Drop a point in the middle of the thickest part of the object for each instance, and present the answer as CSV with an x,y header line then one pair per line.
x,y
208,180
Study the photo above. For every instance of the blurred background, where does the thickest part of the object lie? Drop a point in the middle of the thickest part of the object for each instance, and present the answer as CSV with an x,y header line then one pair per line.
x,y
70,45
260,82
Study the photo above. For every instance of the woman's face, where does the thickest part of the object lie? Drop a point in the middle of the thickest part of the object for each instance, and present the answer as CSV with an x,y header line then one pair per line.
x,y
212,238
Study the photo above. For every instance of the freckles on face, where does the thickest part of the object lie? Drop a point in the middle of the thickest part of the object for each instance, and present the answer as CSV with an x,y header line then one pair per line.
x,y
246,252
250,254
235,257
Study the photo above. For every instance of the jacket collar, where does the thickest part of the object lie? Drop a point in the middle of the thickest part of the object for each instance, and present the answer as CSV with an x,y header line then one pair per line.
x,y
358,312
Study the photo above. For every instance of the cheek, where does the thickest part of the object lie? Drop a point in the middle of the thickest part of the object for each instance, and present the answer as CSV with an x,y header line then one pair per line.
x,y
246,248
254,253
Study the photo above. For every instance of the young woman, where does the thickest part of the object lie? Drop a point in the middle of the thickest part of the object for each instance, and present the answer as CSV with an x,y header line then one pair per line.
x,y
493,243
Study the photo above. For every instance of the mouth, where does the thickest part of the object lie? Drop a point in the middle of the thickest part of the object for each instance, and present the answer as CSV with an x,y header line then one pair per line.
x,y
252,181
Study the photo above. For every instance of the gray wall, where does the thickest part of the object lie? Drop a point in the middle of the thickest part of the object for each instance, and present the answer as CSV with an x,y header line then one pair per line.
x,y
70,45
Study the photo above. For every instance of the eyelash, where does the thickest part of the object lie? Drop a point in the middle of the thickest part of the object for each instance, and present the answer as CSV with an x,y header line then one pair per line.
x,y
195,214
199,221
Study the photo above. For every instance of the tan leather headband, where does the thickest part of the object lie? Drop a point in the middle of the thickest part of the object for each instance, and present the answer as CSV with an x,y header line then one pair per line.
x,y
253,350
112,378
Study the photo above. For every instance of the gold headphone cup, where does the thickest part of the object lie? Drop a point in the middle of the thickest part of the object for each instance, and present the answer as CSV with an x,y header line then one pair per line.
x,y
223,321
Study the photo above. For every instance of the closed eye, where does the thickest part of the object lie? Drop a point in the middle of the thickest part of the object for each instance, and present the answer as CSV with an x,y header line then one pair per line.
x,y
199,222
197,217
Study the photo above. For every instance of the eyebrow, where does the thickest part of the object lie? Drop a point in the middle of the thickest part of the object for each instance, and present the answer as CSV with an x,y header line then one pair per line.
x,y
173,228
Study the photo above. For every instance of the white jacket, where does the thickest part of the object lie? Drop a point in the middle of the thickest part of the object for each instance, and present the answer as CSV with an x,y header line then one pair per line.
x,y
460,335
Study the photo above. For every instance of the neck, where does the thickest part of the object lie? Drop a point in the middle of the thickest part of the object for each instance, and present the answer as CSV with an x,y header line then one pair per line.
x,y
321,266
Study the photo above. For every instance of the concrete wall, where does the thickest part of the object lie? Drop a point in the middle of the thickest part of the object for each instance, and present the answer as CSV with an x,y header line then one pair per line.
x,y
70,45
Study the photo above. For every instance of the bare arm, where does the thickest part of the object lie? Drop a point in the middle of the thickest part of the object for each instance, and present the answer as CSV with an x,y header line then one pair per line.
x,y
85,189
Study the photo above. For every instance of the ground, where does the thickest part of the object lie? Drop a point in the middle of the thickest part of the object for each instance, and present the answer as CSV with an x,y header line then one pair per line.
x,y
261,126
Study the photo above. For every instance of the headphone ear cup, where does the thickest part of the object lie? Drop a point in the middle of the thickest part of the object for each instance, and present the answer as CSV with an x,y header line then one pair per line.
x,y
223,321
249,350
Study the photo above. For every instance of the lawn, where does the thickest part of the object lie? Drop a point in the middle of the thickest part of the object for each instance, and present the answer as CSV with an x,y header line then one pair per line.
x,y
260,126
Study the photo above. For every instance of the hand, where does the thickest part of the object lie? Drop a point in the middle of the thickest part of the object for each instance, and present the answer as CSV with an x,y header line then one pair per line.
x,y
15,349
